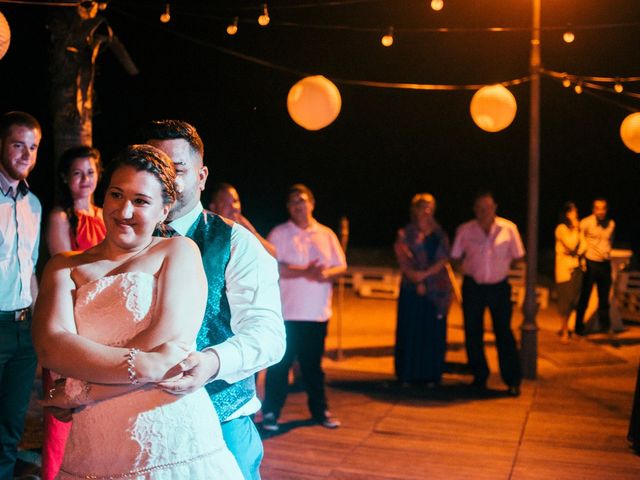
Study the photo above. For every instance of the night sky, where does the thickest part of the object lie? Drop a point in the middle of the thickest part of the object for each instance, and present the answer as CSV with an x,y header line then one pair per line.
x,y
386,144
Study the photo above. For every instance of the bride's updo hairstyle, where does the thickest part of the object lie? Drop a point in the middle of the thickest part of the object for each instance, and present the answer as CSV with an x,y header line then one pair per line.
x,y
145,158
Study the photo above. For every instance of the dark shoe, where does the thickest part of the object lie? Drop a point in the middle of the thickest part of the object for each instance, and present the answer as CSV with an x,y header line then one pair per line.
x,y
479,383
270,422
513,391
328,421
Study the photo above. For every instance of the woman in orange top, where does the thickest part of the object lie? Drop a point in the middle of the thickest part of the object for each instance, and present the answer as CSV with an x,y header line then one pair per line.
x,y
74,224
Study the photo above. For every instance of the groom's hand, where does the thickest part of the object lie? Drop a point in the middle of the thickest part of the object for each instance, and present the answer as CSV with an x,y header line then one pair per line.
x,y
197,369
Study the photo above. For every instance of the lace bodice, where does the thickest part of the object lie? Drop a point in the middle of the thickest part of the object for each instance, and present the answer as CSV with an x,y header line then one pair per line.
x,y
148,433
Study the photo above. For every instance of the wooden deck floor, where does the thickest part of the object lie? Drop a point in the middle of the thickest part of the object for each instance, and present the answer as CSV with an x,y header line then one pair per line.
x,y
570,423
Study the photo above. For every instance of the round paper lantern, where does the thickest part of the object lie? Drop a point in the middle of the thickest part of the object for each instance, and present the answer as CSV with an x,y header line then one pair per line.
x,y
630,132
314,102
5,35
493,108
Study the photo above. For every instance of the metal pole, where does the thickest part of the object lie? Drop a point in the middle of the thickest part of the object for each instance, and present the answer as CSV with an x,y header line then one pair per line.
x,y
344,240
529,344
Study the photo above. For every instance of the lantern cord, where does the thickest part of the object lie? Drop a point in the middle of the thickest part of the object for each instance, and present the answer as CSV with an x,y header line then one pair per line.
x,y
42,4
427,86
563,75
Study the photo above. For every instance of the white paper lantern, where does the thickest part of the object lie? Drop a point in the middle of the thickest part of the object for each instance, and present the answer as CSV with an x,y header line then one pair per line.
x,y
630,132
314,102
493,108
5,35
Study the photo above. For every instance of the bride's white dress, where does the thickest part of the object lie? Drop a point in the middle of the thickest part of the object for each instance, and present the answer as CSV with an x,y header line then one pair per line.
x,y
146,434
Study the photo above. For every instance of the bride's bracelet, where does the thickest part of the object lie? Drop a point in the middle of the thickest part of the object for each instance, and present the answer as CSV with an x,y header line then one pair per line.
x,y
131,365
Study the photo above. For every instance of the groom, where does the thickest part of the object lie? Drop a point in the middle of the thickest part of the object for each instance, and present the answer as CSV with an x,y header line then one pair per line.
x,y
242,331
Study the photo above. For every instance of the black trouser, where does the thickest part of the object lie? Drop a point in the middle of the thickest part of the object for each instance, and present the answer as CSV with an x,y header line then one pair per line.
x,y
17,369
305,340
497,296
600,274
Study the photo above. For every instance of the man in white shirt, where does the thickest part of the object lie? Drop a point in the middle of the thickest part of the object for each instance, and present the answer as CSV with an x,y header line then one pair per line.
x,y
310,258
242,331
597,230
487,246
20,215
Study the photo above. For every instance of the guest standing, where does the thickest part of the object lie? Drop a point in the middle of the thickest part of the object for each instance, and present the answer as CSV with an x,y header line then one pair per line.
x,y
309,257
76,224
487,246
569,248
422,250
225,201
598,230
20,215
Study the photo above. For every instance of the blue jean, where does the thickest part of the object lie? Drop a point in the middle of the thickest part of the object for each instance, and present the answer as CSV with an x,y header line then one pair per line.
x,y
243,440
17,369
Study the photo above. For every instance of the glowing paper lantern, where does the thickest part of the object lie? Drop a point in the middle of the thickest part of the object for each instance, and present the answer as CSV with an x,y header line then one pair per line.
x,y
5,35
314,102
630,132
493,108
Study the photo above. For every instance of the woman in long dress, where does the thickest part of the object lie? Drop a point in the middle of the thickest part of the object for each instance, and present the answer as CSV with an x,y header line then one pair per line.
x,y
74,224
570,246
422,250
118,318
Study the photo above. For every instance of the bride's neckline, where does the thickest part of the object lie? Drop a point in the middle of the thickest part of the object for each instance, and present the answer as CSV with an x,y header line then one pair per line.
x,y
119,274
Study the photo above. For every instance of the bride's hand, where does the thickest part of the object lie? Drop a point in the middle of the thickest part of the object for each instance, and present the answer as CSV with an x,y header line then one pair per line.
x,y
57,398
198,369
162,363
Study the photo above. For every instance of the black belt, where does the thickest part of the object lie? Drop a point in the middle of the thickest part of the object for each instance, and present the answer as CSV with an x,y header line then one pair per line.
x,y
16,315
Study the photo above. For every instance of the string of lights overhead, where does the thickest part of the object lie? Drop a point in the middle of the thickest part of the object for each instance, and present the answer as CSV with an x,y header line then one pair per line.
x,y
388,37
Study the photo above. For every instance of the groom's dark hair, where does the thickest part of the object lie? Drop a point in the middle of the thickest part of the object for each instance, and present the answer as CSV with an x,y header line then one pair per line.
x,y
172,130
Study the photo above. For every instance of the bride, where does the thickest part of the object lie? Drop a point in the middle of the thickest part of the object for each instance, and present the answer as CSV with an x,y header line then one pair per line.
x,y
115,320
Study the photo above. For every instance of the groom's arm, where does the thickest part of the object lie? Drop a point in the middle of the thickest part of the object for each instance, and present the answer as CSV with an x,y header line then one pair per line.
x,y
258,339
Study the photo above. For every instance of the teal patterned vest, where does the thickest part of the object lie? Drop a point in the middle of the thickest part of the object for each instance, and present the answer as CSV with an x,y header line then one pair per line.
x,y
213,237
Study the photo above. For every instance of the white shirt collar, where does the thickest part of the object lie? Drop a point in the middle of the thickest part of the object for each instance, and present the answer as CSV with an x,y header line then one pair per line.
x,y
183,224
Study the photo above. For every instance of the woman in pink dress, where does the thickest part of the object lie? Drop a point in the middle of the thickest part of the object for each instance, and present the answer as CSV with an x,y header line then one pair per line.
x,y
75,224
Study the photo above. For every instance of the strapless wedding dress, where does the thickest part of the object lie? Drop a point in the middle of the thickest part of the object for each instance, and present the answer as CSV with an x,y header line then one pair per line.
x,y
145,434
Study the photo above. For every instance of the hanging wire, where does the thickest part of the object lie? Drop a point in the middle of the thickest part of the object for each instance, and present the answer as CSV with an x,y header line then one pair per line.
x,y
299,73
561,75
42,4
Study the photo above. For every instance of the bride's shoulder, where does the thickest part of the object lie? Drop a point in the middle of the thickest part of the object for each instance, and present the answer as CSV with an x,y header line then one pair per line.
x,y
62,264
177,246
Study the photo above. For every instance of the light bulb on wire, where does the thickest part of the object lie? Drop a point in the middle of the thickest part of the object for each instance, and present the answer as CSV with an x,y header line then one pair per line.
x,y
566,82
232,28
437,5
387,40
578,88
264,19
166,15
618,88
568,35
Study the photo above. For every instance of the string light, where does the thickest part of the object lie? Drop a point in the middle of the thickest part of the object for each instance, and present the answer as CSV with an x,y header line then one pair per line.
x,y
437,5
264,19
618,87
568,35
102,6
578,88
232,28
387,40
566,82
166,15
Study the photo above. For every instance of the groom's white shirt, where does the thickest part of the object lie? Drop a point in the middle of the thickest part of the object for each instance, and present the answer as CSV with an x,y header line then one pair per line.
x,y
251,282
